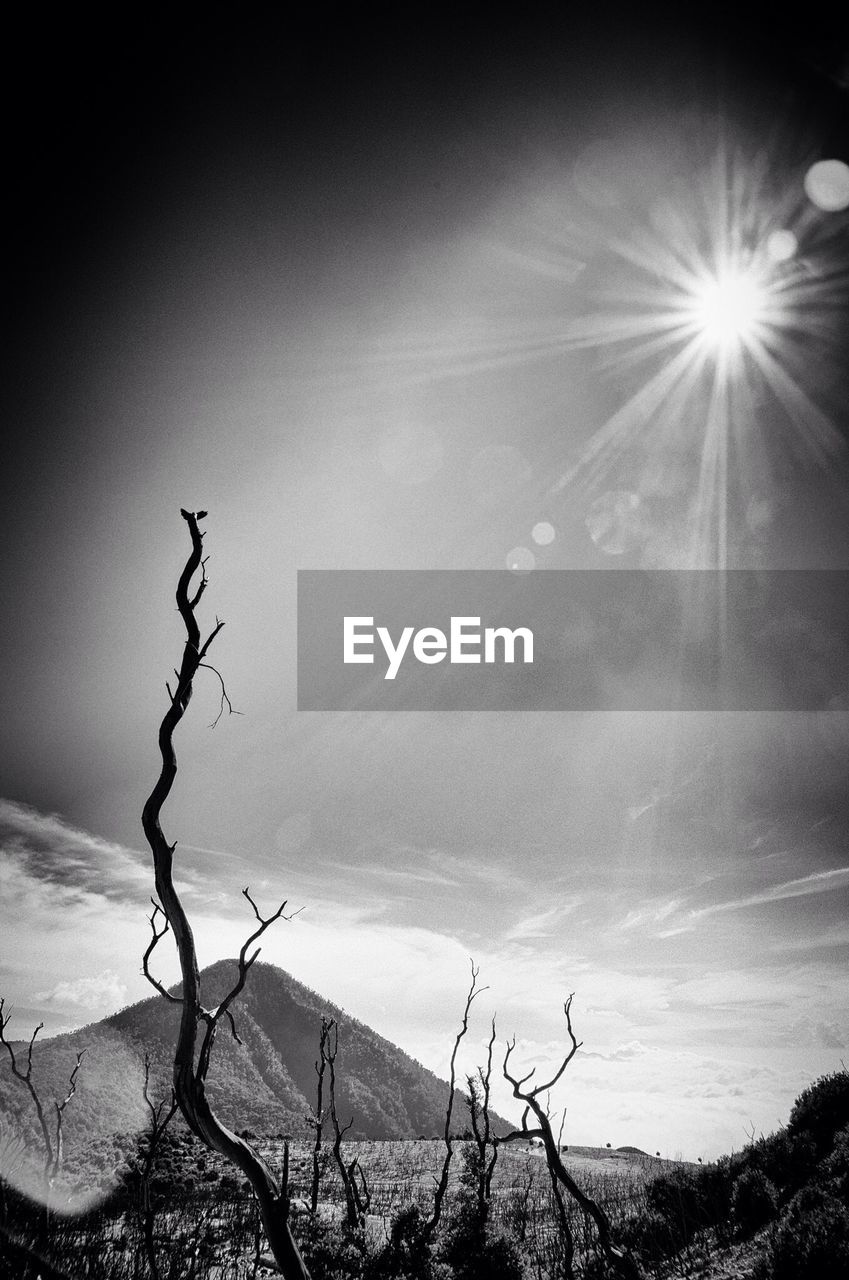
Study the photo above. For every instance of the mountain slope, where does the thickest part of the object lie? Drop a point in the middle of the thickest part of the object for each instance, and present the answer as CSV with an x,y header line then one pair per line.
x,y
267,1084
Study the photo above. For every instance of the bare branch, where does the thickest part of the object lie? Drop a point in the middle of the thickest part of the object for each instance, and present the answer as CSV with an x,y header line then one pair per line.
x,y
72,1083
225,700
157,934
233,1030
156,1109
547,1086
245,961
202,652
574,1047
520,1135
59,1146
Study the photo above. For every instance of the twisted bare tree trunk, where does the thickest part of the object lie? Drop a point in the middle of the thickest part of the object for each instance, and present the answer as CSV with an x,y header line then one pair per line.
x,y
198,1025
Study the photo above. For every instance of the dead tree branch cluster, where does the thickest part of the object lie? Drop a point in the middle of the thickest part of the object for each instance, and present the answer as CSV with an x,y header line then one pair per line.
x,y
53,1143
535,1097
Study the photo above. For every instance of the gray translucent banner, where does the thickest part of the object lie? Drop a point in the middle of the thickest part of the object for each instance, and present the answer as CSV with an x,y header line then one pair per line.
x,y
573,640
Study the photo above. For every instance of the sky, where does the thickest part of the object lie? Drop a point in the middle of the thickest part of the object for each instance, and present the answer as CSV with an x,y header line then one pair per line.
x,y
396,293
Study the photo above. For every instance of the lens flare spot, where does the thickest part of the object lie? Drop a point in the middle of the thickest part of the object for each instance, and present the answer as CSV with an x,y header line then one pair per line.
x,y
781,246
520,560
827,185
543,533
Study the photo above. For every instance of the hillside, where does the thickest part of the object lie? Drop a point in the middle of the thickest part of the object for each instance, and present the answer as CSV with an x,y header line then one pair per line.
x,y
267,1084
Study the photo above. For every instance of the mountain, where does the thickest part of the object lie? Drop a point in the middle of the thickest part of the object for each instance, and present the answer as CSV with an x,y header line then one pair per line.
x,y
266,1084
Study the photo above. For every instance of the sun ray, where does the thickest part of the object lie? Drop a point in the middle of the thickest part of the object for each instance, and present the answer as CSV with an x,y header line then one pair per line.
x,y
618,432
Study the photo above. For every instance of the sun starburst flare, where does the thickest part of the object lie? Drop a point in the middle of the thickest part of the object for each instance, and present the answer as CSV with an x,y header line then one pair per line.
x,y
714,303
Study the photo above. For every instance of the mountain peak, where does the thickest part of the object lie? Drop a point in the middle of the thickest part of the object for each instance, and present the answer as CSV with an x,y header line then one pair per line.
x,y
266,1084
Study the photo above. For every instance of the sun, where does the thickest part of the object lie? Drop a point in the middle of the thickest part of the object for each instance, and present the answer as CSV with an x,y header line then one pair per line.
x,y
728,309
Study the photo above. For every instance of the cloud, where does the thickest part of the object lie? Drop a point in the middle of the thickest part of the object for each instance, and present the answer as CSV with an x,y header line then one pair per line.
x,y
541,924
50,851
817,882
54,851
401,875
829,881
103,991
649,913
625,1052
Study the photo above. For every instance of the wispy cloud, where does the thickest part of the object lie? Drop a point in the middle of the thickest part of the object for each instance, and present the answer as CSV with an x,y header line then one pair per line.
x,y
836,878
53,851
541,924
400,874
57,852
649,913
817,882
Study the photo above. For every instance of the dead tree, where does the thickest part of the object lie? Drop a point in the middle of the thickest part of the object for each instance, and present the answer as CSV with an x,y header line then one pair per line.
x,y
479,1097
442,1184
199,1024
53,1143
620,1262
318,1118
354,1185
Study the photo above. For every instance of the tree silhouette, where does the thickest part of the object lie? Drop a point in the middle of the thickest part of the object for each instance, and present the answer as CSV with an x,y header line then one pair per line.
x,y
199,1024
619,1262
54,1144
